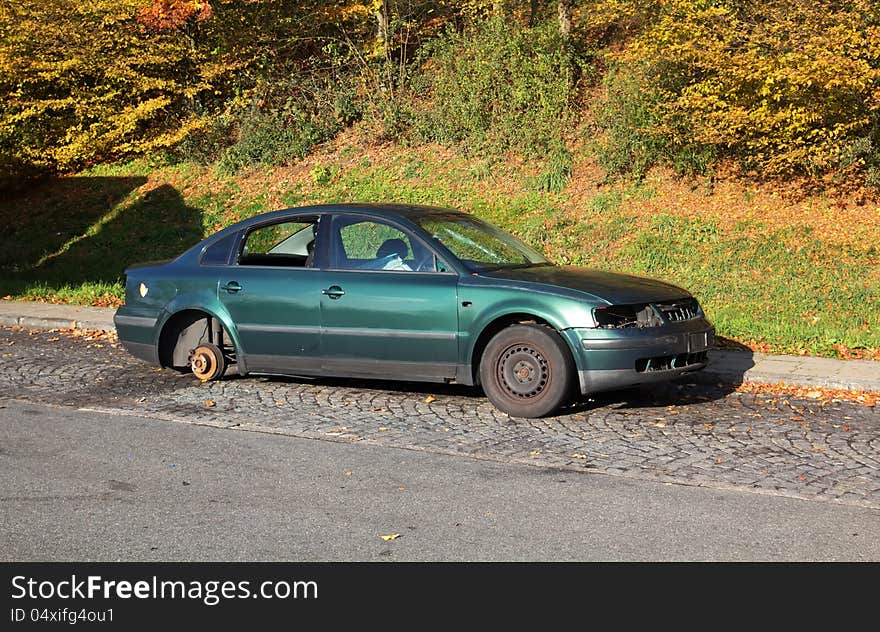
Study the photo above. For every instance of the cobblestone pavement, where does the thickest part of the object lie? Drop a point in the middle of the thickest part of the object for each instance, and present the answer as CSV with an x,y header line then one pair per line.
x,y
683,433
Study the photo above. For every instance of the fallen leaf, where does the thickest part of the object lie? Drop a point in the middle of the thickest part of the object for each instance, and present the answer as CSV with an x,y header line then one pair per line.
x,y
578,456
430,398
709,426
796,418
382,428
210,403
534,453
392,536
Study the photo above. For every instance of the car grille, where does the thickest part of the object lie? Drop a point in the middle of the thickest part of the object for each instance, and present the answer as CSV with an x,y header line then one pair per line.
x,y
685,309
646,314
667,363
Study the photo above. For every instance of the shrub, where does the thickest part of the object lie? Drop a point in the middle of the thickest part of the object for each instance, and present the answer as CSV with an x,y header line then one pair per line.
x,y
205,144
275,138
290,116
628,113
496,86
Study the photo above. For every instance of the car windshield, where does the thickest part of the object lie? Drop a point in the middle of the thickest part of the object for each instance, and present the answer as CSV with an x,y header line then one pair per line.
x,y
480,245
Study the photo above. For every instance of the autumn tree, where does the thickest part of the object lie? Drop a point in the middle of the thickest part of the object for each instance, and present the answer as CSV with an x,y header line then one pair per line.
x,y
782,87
89,82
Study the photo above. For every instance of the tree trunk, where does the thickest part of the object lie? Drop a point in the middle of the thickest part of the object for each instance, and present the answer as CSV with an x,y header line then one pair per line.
x,y
533,12
382,25
565,18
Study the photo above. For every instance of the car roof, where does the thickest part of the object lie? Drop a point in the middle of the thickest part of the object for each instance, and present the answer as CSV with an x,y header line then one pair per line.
x,y
388,211
391,211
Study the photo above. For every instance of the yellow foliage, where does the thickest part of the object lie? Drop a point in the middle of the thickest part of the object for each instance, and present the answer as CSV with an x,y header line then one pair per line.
x,y
783,85
87,82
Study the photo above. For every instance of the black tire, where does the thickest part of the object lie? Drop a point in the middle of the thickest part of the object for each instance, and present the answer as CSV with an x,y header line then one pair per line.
x,y
527,371
207,362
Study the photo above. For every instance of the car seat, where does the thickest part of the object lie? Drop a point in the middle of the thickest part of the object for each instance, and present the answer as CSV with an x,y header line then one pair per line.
x,y
393,247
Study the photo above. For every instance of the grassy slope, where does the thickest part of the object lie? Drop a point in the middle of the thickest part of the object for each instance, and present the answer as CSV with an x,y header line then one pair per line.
x,y
782,272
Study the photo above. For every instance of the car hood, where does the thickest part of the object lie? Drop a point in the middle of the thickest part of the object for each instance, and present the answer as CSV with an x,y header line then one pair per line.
x,y
613,287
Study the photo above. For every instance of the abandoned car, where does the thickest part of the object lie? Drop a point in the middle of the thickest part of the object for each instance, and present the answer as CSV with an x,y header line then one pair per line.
x,y
408,293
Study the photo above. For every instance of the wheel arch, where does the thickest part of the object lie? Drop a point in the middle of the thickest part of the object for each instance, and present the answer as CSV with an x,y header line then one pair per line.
x,y
182,318
501,322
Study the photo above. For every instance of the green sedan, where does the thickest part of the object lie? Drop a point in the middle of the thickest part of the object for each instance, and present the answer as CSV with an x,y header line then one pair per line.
x,y
407,293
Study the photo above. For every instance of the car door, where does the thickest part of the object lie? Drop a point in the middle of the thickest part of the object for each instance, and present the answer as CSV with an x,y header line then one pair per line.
x,y
388,309
273,293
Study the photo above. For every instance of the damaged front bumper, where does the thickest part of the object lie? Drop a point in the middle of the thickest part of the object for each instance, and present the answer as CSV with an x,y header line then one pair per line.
x,y
617,358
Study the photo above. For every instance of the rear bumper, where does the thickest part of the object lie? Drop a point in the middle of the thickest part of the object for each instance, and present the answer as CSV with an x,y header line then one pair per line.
x,y
617,358
137,335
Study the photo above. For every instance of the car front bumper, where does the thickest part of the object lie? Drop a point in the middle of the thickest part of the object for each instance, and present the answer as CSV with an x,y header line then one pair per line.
x,y
616,358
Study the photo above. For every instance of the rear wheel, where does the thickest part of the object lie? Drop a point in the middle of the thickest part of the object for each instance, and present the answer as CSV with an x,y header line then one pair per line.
x,y
527,371
207,362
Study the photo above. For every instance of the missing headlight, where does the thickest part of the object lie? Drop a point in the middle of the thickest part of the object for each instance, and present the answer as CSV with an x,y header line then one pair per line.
x,y
625,316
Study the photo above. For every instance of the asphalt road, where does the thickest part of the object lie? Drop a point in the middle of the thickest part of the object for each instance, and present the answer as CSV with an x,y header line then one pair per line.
x,y
80,485
104,457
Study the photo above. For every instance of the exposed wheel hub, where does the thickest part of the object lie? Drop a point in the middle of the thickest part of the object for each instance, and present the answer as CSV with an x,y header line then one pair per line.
x,y
202,363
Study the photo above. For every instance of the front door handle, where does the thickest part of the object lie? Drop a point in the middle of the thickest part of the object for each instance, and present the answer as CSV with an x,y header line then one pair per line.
x,y
232,287
334,292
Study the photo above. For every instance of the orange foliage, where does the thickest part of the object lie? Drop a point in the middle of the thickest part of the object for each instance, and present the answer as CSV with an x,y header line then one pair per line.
x,y
168,15
823,395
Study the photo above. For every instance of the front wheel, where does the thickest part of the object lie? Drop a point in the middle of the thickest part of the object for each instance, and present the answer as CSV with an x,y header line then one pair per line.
x,y
527,370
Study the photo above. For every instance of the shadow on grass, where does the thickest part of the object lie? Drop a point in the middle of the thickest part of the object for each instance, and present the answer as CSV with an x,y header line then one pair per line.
x,y
76,231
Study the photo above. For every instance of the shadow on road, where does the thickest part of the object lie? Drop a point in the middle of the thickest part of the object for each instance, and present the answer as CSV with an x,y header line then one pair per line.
x,y
691,389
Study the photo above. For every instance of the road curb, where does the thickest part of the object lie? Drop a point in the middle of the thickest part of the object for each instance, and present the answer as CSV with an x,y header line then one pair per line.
x,y
738,367
50,316
721,376
54,323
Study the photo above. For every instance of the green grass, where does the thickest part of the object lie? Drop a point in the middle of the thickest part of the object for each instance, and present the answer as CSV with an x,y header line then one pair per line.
x,y
781,287
69,239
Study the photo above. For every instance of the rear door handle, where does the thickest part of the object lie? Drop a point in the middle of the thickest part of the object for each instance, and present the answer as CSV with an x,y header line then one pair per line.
x,y
334,291
232,287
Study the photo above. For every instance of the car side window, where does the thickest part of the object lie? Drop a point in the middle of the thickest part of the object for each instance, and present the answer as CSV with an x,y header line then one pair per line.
x,y
285,244
362,244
